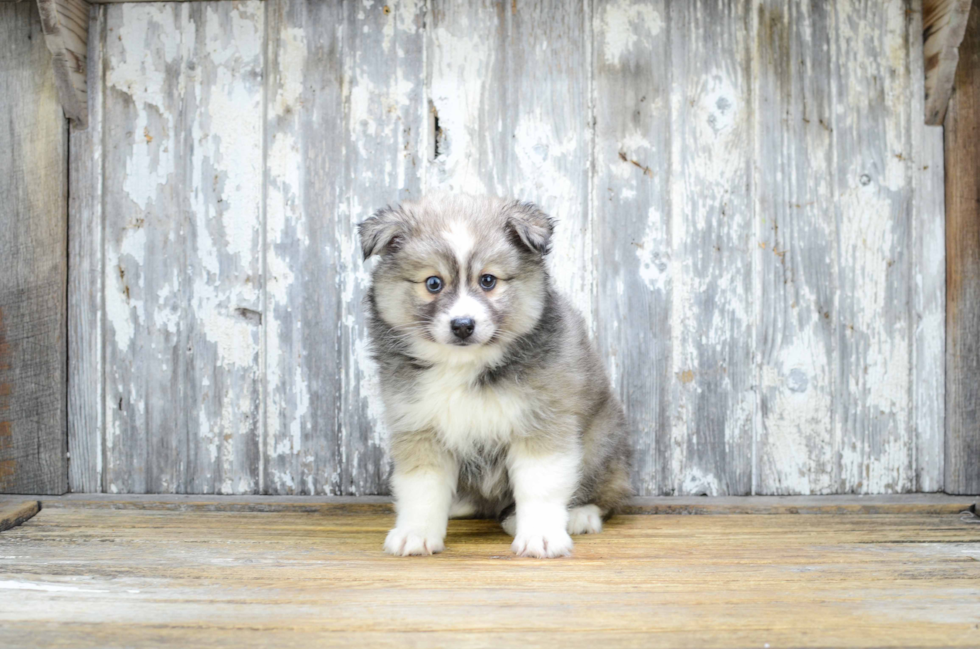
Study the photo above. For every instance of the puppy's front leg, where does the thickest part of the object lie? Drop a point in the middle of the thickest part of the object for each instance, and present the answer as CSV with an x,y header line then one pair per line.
x,y
423,482
543,481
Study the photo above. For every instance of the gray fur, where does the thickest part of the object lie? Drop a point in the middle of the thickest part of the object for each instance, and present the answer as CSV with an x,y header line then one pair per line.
x,y
548,359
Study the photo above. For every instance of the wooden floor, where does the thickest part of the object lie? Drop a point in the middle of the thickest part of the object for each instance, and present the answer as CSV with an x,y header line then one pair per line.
x,y
99,576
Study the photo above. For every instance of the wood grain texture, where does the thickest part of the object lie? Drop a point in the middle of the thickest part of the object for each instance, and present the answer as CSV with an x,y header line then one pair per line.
x,y
872,136
749,221
304,185
649,505
183,187
631,93
100,578
65,24
509,86
384,66
943,25
713,301
928,247
86,376
16,512
796,248
963,270
33,261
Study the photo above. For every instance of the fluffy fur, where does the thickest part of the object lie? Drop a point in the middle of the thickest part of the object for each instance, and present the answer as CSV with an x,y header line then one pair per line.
x,y
516,420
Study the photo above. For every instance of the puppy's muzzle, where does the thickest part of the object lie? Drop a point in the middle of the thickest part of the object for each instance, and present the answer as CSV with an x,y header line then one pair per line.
x,y
462,327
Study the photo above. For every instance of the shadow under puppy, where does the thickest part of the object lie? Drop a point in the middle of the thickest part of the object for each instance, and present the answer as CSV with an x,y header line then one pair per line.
x,y
497,402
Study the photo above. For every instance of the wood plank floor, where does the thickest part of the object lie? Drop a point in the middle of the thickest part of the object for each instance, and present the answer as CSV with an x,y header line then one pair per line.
x,y
101,577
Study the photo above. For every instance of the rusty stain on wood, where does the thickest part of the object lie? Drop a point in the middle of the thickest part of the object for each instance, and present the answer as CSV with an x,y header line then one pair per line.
x,y
8,474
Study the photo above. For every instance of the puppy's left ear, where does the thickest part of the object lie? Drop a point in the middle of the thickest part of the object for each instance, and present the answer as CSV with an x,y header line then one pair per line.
x,y
383,232
531,227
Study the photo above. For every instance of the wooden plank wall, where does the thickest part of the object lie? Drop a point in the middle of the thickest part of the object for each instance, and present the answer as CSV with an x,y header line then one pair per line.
x,y
750,209
963,268
33,260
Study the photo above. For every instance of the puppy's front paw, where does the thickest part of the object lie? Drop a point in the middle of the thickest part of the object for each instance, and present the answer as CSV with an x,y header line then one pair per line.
x,y
547,545
406,542
586,519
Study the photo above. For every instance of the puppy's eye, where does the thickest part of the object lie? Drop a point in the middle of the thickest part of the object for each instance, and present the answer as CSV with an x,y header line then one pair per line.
x,y
487,282
434,284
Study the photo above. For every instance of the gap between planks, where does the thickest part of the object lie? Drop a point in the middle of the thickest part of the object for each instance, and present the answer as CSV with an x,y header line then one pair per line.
x,y
931,504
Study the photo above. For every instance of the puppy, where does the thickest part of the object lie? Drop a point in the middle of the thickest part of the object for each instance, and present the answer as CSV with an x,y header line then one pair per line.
x,y
497,402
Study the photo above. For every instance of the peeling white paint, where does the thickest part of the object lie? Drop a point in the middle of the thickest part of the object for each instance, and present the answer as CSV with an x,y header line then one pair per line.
x,y
624,23
530,152
654,253
140,71
542,153
124,307
460,66
697,483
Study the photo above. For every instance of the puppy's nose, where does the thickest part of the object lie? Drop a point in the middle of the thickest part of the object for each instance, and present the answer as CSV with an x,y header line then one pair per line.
x,y
463,327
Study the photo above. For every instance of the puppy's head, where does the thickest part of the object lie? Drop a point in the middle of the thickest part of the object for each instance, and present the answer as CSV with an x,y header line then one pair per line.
x,y
458,275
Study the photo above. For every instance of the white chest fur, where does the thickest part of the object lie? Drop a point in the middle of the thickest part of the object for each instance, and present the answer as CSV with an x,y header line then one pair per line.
x,y
466,415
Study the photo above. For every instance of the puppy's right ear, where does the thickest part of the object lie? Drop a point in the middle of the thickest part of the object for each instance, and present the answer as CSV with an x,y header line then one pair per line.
x,y
532,227
383,232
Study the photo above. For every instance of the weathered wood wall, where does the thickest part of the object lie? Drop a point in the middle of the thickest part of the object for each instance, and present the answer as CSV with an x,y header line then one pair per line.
x,y
751,216
963,268
33,264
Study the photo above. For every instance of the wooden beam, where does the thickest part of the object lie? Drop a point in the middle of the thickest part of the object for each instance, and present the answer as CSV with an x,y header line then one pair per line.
x,y
17,512
33,261
345,505
943,25
962,129
65,24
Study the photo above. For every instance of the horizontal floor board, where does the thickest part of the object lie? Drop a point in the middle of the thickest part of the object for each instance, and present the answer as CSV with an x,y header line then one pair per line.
x,y
95,576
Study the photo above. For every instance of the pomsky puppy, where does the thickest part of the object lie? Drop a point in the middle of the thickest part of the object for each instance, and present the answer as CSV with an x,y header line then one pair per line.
x,y
497,402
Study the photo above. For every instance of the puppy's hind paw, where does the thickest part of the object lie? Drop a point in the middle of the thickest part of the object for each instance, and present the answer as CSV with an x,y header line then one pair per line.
x,y
403,542
586,519
543,546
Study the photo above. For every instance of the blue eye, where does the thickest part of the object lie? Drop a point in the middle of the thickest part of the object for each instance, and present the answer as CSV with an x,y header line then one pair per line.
x,y
487,282
434,284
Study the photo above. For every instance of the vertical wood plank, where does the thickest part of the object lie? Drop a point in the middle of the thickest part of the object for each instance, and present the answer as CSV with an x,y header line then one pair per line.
x,y
632,190
86,401
872,134
383,64
223,113
183,194
143,246
713,400
962,474
509,85
305,189
797,248
928,274
33,261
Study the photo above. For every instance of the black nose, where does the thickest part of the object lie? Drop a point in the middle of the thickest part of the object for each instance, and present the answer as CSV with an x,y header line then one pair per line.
x,y
462,327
